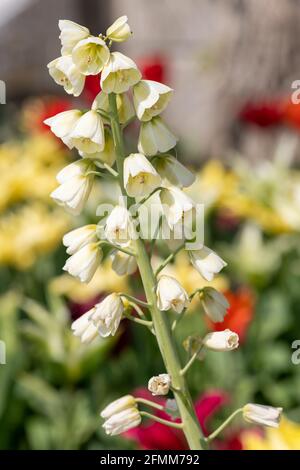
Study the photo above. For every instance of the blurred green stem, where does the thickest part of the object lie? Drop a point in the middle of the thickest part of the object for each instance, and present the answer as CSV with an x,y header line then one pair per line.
x,y
223,426
190,423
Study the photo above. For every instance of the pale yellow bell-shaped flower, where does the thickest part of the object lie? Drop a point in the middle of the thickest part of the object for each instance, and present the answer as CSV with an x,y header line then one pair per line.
x,y
119,74
121,404
140,177
155,137
124,106
119,226
207,262
90,55
75,186
150,98
262,414
121,415
70,34
123,264
108,154
107,315
171,295
80,237
160,384
119,31
65,73
176,205
214,304
172,171
63,123
84,262
221,341
88,133
84,328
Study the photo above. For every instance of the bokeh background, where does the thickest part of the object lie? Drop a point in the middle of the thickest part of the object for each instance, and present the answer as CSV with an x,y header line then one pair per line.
x,y
232,64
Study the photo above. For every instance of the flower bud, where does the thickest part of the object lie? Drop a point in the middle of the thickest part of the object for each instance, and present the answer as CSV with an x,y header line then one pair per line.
x,y
221,340
170,294
160,384
150,99
261,414
119,31
121,404
140,177
214,304
122,422
119,74
207,262
65,73
155,137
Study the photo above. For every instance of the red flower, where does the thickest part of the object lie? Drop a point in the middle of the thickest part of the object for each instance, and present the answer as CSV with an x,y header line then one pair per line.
x,y
291,114
153,435
153,67
37,110
239,314
264,113
91,88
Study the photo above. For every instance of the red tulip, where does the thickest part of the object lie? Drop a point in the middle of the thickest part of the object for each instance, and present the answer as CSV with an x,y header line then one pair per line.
x,y
265,113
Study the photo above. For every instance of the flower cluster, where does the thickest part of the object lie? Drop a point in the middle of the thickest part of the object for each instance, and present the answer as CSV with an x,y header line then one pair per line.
x,y
97,136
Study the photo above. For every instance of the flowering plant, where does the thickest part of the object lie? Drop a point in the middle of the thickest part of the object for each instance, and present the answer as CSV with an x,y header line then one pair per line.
x,y
97,135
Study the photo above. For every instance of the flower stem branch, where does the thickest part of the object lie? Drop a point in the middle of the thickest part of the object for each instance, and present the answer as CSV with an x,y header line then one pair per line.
x,y
146,402
138,320
191,361
162,421
223,426
169,259
134,300
117,247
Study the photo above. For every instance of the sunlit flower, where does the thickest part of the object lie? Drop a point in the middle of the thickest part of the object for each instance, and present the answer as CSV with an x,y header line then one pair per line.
x,y
150,99
155,137
160,384
214,304
65,73
121,415
88,133
90,55
119,226
207,262
63,123
80,237
123,264
71,34
84,328
261,414
221,341
106,315
75,186
124,106
107,155
170,294
140,177
173,171
119,74
177,206
119,31
84,262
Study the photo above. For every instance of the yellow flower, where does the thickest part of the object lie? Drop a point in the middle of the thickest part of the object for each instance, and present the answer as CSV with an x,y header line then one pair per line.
x,y
286,437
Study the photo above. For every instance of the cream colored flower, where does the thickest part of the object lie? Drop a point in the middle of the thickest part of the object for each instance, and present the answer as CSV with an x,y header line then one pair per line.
x,y
160,384
150,99
207,262
88,133
119,31
214,304
119,74
121,404
155,137
80,237
108,154
120,422
177,206
90,55
70,34
262,414
124,106
171,170
63,123
119,226
221,340
75,186
140,177
123,264
84,328
84,262
65,73
107,315
170,294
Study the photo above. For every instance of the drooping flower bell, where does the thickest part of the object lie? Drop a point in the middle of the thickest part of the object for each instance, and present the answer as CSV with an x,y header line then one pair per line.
x,y
150,99
172,171
63,123
262,414
90,55
119,74
123,264
88,133
207,262
119,31
221,341
70,34
80,237
106,315
171,294
119,227
155,137
107,155
214,304
84,262
140,177
65,73
121,415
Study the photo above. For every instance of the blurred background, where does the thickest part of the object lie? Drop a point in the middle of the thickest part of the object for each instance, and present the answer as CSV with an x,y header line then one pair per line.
x,y
232,64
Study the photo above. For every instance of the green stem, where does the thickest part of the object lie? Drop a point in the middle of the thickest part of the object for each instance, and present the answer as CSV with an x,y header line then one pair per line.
x,y
117,247
138,320
168,259
191,361
162,421
190,424
220,428
144,401
134,300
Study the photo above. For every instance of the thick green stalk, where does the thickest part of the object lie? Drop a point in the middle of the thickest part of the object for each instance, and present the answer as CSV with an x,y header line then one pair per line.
x,y
162,328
